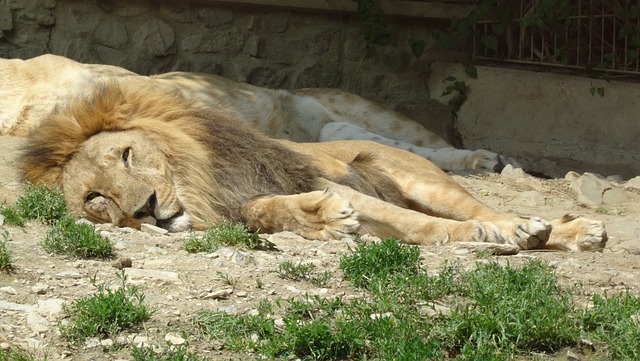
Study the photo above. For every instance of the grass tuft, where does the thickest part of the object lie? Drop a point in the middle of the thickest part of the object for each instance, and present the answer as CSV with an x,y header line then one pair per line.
x,y
5,253
226,234
179,353
80,240
105,313
37,203
380,260
16,354
303,272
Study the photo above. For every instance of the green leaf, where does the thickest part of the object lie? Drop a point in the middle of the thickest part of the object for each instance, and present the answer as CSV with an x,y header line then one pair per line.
x,y
383,39
600,91
471,70
449,78
417,47
491,42
592,90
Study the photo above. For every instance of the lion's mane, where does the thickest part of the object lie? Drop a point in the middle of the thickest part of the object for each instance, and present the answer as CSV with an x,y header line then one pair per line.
x,y
218,162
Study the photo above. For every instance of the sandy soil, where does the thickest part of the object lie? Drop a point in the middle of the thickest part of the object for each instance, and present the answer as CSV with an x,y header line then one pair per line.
x,y
177,283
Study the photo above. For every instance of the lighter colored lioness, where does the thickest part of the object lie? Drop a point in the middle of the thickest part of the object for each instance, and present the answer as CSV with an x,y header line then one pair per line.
x,y
35,87
129,155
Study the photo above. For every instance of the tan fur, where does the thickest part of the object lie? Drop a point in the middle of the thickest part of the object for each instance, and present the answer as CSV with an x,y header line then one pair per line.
x,y
129,155
42,84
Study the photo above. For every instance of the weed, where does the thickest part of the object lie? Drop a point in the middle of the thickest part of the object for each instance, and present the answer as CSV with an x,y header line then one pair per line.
x,y
615,320
226,234
38,202
236,331
602,210
5,253
227,278
303,272
16,354
79,240
370,261
179,353
105,313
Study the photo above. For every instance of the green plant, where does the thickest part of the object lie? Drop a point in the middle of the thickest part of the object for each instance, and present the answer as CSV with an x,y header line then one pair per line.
x,y
105,313
226,234
79,240
615,320
5,253
16,354
179,353
303,272
37,202
379,260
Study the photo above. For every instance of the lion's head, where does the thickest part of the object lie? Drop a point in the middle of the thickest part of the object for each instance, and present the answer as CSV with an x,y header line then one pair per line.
x,y
127,157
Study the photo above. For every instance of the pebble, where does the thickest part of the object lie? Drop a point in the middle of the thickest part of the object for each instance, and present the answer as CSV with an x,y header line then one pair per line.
x,y
9,290
141,274
67,275
40,288
151,229
510,172
37,323
174,339
219,294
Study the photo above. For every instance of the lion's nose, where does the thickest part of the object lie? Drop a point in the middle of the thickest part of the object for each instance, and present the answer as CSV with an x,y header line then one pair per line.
x,y
147,210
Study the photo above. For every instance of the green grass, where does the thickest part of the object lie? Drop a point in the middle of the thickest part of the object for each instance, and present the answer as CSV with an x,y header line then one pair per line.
x,y
5,253
105,313
615,321
37,203
303,272
226,234
16,354
491,312
179,353
79,240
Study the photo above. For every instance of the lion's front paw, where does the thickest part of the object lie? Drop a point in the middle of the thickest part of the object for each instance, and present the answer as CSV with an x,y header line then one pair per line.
x,y
526,233
574,233
328,216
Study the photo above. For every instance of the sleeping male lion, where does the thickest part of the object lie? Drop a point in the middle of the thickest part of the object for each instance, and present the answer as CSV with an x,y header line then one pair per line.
x,y
134,155
44,83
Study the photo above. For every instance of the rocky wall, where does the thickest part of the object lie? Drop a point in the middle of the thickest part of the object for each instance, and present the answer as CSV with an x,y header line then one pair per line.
x,y
266,46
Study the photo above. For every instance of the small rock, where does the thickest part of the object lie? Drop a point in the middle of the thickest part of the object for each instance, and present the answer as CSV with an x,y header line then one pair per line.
x,y
85,221
235,256
293,289
107,342
1,220
278,322
615,178
151,229
231,310
633,183
571,176
9,290
140,274
67,275
241,294
121,263
510,172
37,323
590,188
51,306
377,316
40,288
531,198
219,294
174,339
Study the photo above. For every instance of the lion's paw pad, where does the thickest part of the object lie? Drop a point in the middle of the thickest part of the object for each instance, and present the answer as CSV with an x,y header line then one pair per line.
x,y
337,215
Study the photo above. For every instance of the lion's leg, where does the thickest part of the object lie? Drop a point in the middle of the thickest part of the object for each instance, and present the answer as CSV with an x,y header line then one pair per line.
x,y
387,220
319,215
446,157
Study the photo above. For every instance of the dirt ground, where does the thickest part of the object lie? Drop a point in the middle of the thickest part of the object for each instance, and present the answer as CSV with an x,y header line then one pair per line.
x,y
176,284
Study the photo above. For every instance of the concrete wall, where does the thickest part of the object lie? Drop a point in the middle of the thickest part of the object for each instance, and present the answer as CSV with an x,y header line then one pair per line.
x,y
266,46
550,121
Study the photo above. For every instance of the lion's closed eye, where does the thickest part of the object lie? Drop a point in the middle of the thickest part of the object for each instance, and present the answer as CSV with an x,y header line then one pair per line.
x,y
91,196
126,156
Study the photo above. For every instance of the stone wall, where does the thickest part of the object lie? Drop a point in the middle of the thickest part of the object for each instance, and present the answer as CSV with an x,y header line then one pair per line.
x,y
265,46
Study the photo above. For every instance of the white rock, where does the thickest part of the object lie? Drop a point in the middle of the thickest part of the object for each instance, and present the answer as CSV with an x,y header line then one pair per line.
x,y
510,172
151,229
8,290
40,288
67,275
633,183
174,339
52,306
140,274
37,323
219,294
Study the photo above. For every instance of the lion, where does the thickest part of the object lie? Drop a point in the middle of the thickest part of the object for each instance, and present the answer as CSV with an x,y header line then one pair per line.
x,y
300,115
132,155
